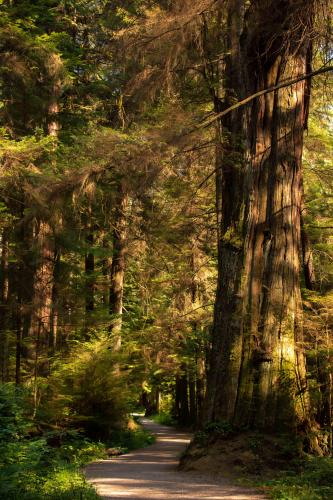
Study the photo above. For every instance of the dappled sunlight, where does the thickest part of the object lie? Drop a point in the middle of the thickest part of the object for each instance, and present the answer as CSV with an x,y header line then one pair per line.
x,y
152,473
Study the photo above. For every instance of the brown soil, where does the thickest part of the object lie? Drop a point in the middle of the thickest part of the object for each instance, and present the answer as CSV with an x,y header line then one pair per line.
x,y
153,474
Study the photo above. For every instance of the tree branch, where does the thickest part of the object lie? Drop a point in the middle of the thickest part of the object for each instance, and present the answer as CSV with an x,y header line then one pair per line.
x,y
250,98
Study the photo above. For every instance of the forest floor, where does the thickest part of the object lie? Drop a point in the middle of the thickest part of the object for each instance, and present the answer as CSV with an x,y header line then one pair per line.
x,y
151,473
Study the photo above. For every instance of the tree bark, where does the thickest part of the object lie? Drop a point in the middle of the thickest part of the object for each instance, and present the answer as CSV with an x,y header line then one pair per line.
x,y
55,67
4,308
257,375
118,265
40,327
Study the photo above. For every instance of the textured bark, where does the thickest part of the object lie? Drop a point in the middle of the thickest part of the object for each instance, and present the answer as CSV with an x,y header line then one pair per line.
x,y
118,265
55,68
40,327
257,375
43,322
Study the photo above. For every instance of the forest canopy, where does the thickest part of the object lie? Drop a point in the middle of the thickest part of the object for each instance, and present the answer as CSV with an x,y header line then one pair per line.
x,y
165,225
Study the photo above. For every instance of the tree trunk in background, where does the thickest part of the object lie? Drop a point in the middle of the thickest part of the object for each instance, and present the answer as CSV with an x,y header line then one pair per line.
x,y
18,351
55,304
257,376
192,398
40,327
308,264
55,67
89,270
106,272
22,274
200,389
181,397
118,265
4,308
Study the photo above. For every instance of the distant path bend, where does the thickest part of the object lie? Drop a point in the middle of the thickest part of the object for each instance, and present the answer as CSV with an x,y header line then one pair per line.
x,y
151,473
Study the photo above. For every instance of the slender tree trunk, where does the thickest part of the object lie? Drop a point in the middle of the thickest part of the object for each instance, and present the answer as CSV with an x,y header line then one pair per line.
x,y
55,66
118,265
200,388
308,264
23,286
4,308
55,304
257,375
106,271
90,270
192,398
18,351
181,399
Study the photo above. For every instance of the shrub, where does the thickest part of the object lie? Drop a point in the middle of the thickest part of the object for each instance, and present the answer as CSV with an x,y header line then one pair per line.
x,y
86,390
36,465
164,418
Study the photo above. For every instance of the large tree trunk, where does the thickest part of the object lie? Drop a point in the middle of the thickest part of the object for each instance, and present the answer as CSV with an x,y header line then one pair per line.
x,y
118,265
41,326
257,375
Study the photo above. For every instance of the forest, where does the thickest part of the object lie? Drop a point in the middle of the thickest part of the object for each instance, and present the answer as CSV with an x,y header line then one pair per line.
x,y
166,243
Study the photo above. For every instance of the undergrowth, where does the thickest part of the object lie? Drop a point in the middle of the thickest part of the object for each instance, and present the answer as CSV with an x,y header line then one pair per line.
x,y
31,469
37,463
164,418
128,439
313,480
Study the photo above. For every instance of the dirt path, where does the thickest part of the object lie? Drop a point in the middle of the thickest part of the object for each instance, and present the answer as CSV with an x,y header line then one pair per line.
x,y
151,474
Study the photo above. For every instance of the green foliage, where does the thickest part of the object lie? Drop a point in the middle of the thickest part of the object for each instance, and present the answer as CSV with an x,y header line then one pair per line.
x,y
313,481
164,418
36,465
13,413
216,430
130,439
219,427
86,389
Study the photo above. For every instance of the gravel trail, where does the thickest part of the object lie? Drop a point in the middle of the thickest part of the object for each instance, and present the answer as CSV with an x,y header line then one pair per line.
x,y
151,473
